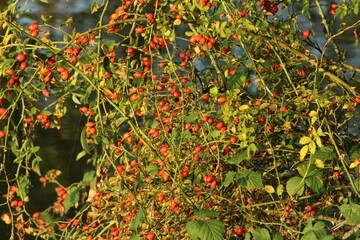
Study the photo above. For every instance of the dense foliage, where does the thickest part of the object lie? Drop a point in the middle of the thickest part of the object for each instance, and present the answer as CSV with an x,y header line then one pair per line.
x,y
206,119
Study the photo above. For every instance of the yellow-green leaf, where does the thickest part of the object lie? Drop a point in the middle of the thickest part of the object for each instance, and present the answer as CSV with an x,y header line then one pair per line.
x,y
319,163
318,141
270,189
303,151
305,140
312,147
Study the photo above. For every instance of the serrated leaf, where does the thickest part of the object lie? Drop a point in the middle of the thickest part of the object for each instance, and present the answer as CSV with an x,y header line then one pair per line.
x,y
315,183
205,214
47,217
152,168
307,169
72,198
135,237
238,158
312,147
229,178
318,231
261,234
325,154
277,236
295,186
305,140
205,230
249,179
23,184
140,216
109,45
88,176
84,142
191,117
351,212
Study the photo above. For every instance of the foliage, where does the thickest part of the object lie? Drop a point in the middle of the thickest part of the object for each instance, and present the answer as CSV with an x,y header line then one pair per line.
x,y
205,119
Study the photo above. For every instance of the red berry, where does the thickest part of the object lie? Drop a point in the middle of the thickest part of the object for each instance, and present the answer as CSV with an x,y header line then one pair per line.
x,y
288,207
21,57
139,29
306,34
332,11
150,236
283,109
238,230
33,27
2,134
221,99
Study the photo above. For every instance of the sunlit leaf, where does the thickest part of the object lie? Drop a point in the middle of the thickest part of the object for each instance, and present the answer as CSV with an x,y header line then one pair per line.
x,y
261,234
312,232
72,198
295,186
303,151
269,189
229,178
140,216
249,179
205,230
351,212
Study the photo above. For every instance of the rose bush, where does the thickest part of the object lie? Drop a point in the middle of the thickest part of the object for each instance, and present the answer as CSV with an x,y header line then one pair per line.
x,y
205,120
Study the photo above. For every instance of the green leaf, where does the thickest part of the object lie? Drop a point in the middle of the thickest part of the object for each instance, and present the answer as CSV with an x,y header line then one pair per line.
x,y
249,179
109,45
120,120
309,171
261,234
238,158
315,183
80,155
140,216
72,198
107,64
88,176
135,237
205,214
205,230
84,142
237,80
277,236
229,178
152,168
47,217
325,154
318,231
351,212
75,99
191,117
295,186
24,184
